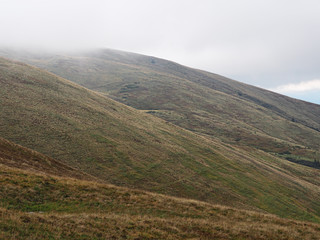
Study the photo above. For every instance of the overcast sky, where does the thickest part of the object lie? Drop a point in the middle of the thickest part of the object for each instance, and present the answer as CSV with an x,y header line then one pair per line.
x,y
273,44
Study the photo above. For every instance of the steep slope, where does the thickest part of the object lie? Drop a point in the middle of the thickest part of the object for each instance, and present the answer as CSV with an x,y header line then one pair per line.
x,y
35,206
127,147
13,155
196,100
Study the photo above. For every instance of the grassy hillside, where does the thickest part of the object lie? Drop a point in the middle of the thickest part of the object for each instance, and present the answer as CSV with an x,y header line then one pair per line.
x,y
35,206
128,147
196,100
16,156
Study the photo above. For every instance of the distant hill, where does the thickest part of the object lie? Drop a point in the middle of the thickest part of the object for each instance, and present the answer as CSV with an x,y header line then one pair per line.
x,y
128,147
203,102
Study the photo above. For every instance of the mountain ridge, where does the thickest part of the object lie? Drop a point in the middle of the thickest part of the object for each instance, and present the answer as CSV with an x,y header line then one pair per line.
x,y
127,147
195,100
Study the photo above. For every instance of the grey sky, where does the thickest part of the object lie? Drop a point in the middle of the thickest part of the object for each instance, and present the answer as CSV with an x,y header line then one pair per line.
x,y
266,43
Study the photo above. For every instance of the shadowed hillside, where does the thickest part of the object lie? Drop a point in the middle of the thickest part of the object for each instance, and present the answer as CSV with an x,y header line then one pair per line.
x,y
196,100
124,146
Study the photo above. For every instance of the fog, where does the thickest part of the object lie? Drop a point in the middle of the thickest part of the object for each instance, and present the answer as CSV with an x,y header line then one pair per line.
x,y
264,43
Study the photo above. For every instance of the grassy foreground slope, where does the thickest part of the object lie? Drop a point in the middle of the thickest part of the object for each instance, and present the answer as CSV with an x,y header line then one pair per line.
x,y
35,206
127,147
196,100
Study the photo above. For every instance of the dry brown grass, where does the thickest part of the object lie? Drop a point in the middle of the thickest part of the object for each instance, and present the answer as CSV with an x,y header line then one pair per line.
x,y
133,214
117,226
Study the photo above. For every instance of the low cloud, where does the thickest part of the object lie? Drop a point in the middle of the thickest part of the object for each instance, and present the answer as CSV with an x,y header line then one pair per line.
x,y
298,87
263,43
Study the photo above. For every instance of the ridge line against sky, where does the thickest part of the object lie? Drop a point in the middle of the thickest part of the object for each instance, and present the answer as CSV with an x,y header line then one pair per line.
x,y
264,43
